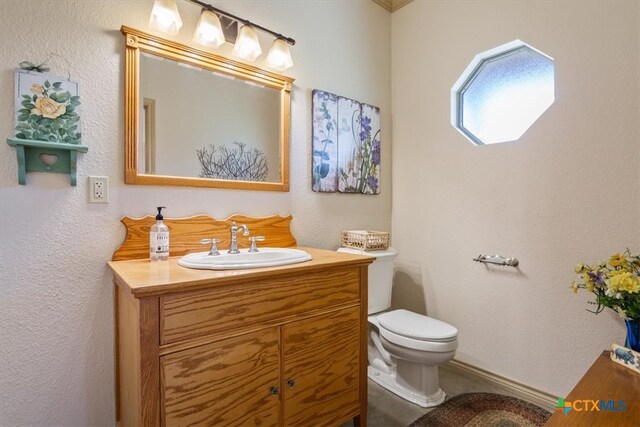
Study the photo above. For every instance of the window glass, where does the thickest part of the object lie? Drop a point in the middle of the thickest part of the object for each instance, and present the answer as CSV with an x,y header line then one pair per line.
x,y
502,93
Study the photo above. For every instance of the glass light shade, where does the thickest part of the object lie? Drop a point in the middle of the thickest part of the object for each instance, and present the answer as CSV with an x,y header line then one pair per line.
x,y
247,45
165,17
209,31
279,56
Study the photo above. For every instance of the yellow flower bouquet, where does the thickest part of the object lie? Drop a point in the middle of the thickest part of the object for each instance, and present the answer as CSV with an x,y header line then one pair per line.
x,y
616,285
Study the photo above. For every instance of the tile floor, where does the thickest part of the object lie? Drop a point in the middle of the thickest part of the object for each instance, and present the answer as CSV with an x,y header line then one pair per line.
x,y
388,410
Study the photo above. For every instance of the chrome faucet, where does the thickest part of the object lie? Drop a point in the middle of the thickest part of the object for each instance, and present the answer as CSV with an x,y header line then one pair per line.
x,y
233,248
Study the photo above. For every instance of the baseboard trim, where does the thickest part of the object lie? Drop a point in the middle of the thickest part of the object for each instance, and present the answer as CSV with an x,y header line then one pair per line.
x,y
517,389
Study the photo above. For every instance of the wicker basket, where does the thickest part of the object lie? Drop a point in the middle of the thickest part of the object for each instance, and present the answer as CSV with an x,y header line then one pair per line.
x,y
365,240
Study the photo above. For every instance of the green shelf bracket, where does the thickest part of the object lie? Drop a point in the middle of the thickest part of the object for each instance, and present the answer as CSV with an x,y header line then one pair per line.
x,y
42,156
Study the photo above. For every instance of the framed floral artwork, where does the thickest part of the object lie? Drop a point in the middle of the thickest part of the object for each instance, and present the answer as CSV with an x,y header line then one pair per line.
x,y
346,145
47,108
325,141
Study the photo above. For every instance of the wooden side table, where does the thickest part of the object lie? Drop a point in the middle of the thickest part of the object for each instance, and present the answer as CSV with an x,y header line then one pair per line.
x,y
610,384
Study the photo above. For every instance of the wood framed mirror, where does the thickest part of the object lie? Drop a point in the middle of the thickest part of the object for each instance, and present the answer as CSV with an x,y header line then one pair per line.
x,y
194,118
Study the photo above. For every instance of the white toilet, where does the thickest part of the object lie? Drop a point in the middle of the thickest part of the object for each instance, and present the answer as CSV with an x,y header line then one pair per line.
x,y
405,348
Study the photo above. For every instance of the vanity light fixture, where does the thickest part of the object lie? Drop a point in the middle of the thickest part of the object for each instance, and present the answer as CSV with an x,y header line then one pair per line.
x,y
209,30
166,18
279,56
247,46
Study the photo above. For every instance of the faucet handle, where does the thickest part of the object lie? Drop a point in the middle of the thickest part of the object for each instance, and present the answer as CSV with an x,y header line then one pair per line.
x,y
253,240
214,245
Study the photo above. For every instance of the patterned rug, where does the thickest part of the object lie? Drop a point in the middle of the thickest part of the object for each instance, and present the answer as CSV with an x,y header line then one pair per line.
x,y
484,410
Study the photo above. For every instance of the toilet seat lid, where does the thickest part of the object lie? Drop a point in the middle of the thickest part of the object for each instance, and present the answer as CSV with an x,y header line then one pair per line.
x,y
417,326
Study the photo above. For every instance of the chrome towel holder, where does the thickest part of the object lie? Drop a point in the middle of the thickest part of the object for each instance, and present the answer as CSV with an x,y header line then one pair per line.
x,y
497,260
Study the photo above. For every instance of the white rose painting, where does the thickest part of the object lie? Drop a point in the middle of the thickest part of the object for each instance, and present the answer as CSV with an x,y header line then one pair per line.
x,y
47,108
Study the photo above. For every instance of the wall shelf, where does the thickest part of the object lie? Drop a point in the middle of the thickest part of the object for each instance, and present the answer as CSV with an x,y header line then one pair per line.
x,y
42,156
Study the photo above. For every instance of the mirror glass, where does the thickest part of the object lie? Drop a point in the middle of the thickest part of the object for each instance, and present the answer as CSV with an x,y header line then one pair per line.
x,y
203,120
196,122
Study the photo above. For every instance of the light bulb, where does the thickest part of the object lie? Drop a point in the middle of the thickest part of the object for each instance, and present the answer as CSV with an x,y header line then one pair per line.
x,y
165,17
247,45
279,56
209,31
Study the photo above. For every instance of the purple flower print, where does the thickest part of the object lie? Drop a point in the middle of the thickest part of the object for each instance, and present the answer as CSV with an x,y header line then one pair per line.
x,y
372,182
365,127
365,124
375,152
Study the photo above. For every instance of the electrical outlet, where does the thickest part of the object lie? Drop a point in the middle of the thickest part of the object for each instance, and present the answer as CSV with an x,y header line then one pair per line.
x,y
98,189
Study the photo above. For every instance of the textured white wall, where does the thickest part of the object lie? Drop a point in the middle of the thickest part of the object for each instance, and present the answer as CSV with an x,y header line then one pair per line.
x,y
568,191
56,304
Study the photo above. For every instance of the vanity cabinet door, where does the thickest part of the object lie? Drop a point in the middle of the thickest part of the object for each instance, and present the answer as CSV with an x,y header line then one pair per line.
x,y
320,377
230,382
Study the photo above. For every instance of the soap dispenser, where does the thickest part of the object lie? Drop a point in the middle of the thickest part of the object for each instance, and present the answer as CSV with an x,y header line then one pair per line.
x,y
159,239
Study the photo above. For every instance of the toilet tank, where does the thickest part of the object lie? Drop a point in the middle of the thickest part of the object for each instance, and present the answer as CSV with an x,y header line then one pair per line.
x,y
380,277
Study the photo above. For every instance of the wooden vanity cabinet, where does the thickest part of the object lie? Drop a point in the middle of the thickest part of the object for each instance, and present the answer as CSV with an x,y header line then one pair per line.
x,y
284,346
321,358
226,382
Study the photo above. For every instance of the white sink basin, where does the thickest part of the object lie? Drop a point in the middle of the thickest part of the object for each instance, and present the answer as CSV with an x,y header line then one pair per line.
x,y
266,257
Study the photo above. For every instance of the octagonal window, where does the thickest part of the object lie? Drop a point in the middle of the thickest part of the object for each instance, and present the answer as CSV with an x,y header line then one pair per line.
x,y
501,93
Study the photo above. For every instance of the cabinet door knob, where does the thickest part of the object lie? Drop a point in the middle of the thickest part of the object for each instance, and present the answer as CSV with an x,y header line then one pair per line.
x,y
291,383
274,391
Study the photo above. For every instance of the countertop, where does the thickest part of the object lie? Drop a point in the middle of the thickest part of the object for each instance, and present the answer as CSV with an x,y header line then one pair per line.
x,y
605,381
144,278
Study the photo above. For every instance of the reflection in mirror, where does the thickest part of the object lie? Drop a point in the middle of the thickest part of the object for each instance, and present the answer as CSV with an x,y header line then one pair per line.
x,y
198,119
207,125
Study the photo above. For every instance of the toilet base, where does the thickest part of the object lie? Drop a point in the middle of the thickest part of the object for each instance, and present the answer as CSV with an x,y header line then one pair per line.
x,y
388,381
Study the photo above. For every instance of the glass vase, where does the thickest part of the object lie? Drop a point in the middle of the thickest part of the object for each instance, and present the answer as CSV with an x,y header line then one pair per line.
x,y
633,334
